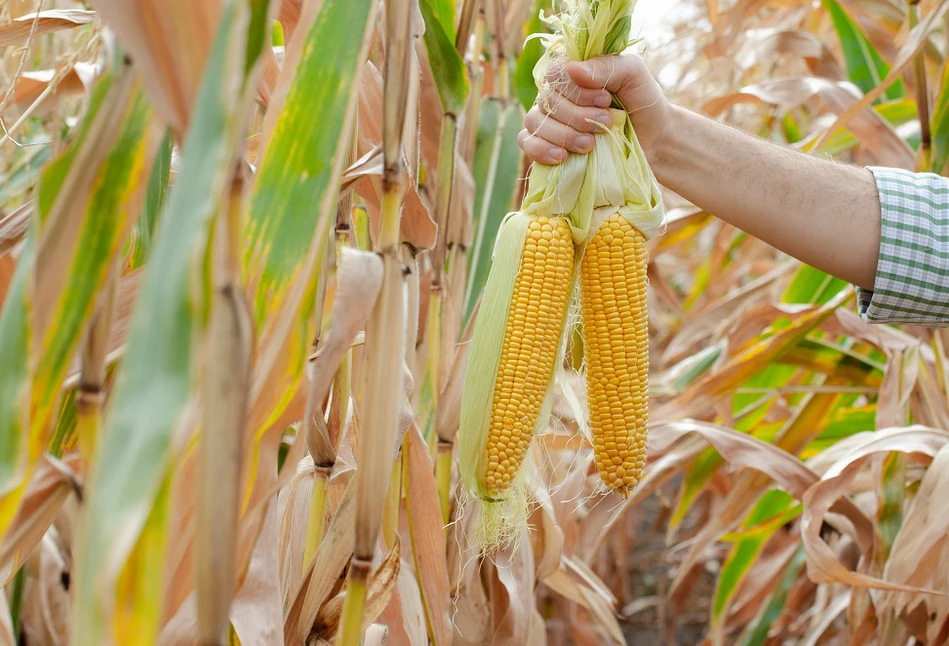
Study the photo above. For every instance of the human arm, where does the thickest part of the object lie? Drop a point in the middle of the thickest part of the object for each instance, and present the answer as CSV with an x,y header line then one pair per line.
x,y
823,213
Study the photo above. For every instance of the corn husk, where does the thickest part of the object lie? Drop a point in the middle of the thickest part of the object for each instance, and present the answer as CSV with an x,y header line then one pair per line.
x,y
585,189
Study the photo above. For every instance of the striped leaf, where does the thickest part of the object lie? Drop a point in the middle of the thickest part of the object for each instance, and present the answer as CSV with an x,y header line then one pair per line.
x,y
155,382
85,198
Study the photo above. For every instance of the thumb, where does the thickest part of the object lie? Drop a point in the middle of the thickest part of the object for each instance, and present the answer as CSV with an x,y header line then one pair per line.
x,y
612,73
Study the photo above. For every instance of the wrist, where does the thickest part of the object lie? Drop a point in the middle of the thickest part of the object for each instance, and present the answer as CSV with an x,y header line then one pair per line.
x,y
656,134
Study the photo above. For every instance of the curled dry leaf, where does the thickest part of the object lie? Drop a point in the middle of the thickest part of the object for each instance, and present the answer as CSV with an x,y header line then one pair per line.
x,y
762,44
921,549
381,586
293,507
359,279
470,618
46,604
13,227
424,518
511,593
50,486
376,635
31,85
823,565
18,30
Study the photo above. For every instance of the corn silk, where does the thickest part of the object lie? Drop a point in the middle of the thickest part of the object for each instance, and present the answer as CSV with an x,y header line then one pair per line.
x,y
586,189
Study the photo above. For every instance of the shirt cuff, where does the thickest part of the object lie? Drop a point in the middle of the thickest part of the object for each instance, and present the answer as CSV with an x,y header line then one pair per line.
x,y
911,286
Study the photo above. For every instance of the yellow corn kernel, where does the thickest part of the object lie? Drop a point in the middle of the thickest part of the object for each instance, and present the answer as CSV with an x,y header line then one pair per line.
x,y
529,351
616,345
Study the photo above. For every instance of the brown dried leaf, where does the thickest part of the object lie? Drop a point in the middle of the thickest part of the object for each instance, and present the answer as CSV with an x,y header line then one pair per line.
x,y
919,554
7,637
318,583
49,487
424,519
876,134
359,279
18,29
68,82
45,610
257,612
169,40
382,584
511,590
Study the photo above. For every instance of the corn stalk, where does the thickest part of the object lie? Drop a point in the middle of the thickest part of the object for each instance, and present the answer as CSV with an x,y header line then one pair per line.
x,y
385,335
227,373
90,396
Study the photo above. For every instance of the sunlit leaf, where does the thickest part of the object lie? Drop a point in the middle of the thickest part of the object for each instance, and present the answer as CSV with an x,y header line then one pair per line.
x,y
451,76
866,67
772,505
146,225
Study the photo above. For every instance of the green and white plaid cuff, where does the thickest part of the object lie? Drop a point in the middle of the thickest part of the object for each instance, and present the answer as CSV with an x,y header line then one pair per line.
x,y
912,279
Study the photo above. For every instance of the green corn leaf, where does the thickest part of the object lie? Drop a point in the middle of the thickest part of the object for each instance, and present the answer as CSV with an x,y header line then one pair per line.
x,y
143,235
866,67
497,161
940,125
757,633
451,76
293,204
775,508
444,11
154,384
14,387
813,287
294,197
524,84
85,198
79,240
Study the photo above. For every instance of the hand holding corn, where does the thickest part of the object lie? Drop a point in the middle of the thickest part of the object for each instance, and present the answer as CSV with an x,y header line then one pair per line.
x,y
802,204
582,224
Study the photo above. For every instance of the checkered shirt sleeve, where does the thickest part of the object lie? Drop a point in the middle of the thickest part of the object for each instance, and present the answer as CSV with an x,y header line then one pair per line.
x,y
912,280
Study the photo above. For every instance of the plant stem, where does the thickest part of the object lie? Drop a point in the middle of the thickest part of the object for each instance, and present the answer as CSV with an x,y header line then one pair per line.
x,y
350,626
443,478
316,522
89,395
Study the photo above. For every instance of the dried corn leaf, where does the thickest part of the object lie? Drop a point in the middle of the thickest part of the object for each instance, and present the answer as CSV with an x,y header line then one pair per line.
x,y
45,22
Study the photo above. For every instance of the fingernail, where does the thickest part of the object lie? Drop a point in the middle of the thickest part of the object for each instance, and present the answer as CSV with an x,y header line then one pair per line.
x,y
588,68
603,101
584,142
606,119
556,153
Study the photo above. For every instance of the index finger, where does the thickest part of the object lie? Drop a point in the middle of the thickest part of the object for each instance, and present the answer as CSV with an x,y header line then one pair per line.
x,y
560,82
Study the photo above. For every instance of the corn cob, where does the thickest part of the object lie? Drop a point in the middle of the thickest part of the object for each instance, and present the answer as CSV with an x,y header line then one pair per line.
x,y
516,344
535,324
616,345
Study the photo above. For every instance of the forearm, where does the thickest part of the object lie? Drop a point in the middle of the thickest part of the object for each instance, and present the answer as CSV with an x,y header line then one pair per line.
x,y
823,213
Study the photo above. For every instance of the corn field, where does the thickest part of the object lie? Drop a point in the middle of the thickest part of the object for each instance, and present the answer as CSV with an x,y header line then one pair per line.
x,y
243,248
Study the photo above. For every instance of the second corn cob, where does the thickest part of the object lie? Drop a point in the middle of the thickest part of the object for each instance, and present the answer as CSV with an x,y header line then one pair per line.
x,y
616,349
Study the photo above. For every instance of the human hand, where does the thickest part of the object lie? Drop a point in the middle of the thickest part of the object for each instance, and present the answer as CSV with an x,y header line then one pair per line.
x,y
579,93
